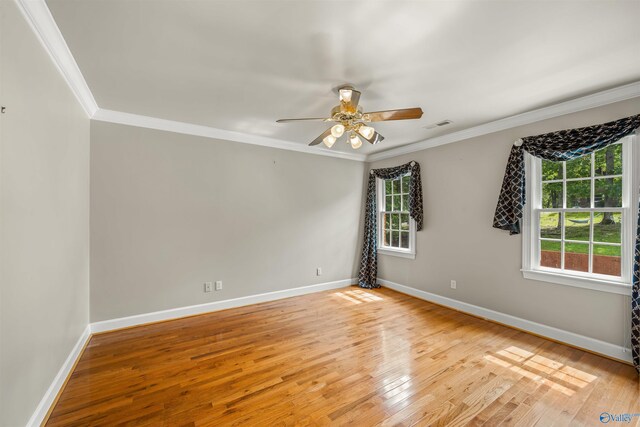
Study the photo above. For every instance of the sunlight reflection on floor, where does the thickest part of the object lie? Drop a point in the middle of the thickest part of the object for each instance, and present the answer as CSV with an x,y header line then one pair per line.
x,y
358,296
543,369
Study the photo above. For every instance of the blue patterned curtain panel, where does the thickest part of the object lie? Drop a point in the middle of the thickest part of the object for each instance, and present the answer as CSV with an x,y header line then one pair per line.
x,y
369,260
635,302
558,146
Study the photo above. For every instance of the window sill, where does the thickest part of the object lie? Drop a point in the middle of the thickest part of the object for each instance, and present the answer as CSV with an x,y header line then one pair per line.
x,y
595,284
401,254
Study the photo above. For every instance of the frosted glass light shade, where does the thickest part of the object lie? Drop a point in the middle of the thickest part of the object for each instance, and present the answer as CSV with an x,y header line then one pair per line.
x,y
329,140
366,131
345,95
355,141
337,130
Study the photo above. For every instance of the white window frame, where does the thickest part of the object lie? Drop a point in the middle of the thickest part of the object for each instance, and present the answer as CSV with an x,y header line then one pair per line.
x,y
389,250
531,268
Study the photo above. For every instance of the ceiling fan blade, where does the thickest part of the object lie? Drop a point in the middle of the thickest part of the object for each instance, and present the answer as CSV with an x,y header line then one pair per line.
x,y
404,114
299,120
319,139
375,138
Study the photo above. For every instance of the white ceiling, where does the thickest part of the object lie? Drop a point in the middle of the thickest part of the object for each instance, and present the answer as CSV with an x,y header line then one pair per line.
x,y
240,65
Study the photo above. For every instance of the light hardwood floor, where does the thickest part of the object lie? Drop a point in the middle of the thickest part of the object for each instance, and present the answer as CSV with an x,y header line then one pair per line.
x,y
350,356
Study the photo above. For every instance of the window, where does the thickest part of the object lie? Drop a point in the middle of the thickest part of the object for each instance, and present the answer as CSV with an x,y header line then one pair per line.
x,y
579,219
396,229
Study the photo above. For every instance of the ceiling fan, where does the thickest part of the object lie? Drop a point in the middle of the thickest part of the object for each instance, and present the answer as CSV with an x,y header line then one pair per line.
x,y
350,119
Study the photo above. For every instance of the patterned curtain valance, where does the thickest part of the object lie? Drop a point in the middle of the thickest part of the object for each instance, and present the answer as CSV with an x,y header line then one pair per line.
x,y
555,146
369,260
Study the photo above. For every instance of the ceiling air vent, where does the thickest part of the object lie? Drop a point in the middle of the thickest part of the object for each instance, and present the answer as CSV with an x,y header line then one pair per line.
x,y
439,124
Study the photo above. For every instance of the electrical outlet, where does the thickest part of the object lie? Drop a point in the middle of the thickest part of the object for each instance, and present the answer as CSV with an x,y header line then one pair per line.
x,y
208,286
319,271
218,285
454,284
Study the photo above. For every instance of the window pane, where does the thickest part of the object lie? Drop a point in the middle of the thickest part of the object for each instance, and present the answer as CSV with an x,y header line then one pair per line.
x,y
577,226
387,238
551,170
579,194
397,202
609,161
405,203
387,221
396,186
606,260
579,168
388,205
607,227
395,221
552,195
387,186
576,256
608,193
550,225
404,222
395,237
405,183
404,239
549,254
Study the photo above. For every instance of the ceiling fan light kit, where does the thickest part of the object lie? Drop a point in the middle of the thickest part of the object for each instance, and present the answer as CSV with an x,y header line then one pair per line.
x,y
345,94
350,119
366,131
329,141
355,141
337,130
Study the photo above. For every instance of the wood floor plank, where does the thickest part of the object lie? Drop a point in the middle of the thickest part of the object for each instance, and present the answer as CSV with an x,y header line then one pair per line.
x,y
343,357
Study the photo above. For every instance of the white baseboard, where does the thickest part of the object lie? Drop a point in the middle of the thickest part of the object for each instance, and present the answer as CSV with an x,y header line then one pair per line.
x,y
592,344
175,313
47,400
581,341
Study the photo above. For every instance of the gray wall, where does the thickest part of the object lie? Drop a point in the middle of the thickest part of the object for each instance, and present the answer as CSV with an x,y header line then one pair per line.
x,y
171,211
461,182
44,222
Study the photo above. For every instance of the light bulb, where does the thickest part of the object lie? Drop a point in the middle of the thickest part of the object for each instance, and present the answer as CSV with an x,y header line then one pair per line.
x,y
366,131
355,141
329,140
337,130
345,95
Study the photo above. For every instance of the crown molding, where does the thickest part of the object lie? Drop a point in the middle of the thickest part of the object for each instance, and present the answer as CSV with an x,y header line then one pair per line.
x,y
598,99
39,18
215,133
38,15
